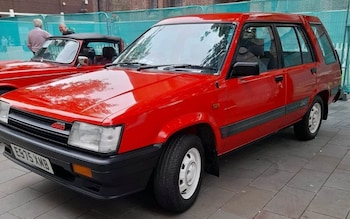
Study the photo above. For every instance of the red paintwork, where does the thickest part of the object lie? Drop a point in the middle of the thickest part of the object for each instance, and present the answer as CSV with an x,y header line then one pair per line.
x,y
15,74
152,107
19,73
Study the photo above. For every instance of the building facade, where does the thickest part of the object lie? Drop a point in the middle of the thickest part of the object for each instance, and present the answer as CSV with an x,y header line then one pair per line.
x,y
84,6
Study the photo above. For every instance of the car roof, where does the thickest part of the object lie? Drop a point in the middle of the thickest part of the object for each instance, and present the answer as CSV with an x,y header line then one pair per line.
x,y
239,17
93,37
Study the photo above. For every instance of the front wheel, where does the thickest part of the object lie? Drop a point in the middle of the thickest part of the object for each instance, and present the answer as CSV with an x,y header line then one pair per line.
x,y
179,173
309,126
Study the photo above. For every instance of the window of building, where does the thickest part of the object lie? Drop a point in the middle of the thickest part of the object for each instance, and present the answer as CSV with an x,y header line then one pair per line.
x,y
153,3
174,3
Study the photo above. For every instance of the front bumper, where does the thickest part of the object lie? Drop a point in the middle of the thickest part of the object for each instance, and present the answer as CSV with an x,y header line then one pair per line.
x,y
112,176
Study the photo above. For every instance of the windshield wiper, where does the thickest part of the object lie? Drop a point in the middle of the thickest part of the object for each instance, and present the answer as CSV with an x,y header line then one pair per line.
x,y
150,66
125,64
177,66
40,59
140,66
181,67
189,66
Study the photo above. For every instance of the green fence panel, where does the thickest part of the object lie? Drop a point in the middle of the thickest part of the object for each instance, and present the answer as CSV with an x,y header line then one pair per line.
x,y
13,36
297,6
79,23
230,7
154,14
129,31
346,60
130,24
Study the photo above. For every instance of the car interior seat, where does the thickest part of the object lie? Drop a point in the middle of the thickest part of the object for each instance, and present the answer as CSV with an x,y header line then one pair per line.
x,y
108,54
88,52
252,50
255,46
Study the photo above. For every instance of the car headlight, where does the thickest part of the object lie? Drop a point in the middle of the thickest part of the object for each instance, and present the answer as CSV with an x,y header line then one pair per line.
x,y
4,111
94,138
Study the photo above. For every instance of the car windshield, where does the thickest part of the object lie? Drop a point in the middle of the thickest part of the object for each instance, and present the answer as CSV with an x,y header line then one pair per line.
x,y
194,48
57,50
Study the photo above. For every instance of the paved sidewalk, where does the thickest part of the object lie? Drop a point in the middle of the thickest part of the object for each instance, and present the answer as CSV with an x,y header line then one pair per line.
x,y
279,177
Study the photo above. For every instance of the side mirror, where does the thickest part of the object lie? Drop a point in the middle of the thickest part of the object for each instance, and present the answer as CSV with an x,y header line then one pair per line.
x,y
83,60
246,68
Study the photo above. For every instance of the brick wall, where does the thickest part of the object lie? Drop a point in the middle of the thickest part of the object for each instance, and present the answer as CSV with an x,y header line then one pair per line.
x,y
122,5
46,7
76,6
197,2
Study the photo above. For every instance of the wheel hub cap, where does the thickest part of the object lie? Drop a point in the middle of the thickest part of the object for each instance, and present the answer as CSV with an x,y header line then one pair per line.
x,y
191,173
315,118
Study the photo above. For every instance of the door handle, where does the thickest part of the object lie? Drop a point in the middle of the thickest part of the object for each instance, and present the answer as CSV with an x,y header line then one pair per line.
x,y
279,78
313,70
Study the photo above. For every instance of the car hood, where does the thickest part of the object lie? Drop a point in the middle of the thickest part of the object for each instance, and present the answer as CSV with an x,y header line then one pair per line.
x,y
18,65
96,95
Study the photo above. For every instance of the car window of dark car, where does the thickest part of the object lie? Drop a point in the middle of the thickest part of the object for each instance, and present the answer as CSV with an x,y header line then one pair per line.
x,y
100,52
57,50
98,47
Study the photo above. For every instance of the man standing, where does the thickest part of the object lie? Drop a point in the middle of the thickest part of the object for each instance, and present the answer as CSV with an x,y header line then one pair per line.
x,y
37,36
64,30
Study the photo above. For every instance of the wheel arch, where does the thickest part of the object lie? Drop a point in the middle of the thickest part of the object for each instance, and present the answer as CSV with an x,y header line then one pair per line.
x,y
325,98
205,130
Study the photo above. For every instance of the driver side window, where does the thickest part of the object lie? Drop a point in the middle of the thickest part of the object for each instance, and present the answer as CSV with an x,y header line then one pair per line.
x,y
257,44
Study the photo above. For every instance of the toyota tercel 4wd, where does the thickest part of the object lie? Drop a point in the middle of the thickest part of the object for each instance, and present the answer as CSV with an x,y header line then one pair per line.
x,y
188,90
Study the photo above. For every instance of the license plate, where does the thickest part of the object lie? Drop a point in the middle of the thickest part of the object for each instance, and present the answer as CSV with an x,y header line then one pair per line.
x,y
32,158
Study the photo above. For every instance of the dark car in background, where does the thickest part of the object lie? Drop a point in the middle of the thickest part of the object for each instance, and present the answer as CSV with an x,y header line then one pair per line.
x,y
61,56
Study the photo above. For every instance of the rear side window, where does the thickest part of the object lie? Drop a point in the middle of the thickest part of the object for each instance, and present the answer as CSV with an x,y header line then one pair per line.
x,y
325,44
98,47
295,47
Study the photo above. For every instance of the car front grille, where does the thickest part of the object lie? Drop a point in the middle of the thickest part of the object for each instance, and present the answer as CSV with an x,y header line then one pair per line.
x,y
38,126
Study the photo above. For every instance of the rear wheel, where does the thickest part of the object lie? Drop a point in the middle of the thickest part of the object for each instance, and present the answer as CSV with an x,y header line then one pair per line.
x,y
179,173
309,126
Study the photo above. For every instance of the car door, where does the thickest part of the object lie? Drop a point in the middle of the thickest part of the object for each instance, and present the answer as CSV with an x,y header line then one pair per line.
x,y
255,103
299,67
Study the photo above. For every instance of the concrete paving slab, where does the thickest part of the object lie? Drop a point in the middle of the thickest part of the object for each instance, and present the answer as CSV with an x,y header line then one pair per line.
x,y
278,177
331,202
308,180
290,202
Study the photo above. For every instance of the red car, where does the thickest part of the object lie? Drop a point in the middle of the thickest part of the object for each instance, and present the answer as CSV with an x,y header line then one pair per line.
x,y
60,56
188,90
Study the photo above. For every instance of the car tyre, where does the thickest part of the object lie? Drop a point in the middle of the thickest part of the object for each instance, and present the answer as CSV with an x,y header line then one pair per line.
x,y
178,175
308,127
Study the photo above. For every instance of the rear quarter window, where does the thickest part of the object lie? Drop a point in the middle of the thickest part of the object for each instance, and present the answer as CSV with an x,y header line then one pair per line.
x,y
325,44
295,47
